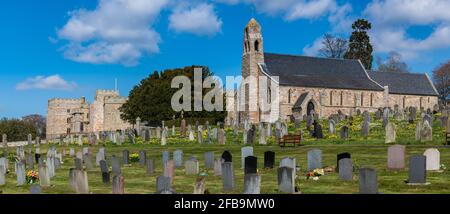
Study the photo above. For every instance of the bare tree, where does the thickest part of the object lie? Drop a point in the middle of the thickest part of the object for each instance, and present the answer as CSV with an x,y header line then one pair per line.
x,y
441,77
393,63
333,47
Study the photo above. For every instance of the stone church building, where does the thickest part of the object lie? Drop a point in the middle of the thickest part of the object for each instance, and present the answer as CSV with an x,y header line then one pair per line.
x,y
77,117
324,85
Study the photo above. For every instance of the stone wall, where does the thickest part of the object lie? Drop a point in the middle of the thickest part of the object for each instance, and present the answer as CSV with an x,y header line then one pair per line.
x,y
405,101
112,120
329,101
58,113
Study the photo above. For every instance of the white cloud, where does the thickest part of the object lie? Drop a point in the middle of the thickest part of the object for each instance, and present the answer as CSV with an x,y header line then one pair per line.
x,y
116,31
54,82
313,50
392,18
198,19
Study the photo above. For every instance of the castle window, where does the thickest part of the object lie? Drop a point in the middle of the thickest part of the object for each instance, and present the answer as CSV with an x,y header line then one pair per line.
x,y
342,98
256,45
269,95
68,110
428,100
404,102
68,130
331,98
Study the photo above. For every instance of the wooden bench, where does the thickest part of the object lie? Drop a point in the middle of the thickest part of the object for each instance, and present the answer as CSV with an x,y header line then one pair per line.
x,y
290,139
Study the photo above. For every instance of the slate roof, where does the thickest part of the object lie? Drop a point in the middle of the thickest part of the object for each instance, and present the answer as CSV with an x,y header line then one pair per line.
x,y
299,102
405,83
318,72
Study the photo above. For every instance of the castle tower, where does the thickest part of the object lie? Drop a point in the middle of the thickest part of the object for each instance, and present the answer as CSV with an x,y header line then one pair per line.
x,y
253,54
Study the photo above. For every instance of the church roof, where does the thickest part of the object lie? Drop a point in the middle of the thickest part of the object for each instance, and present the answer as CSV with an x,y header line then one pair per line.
x,y
299,102
318,72
405,83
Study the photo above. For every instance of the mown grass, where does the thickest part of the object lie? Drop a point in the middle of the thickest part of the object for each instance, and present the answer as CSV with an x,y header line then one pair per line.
x,y
370,152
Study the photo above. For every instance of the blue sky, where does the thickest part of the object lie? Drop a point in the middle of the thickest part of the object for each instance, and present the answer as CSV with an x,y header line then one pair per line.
x,y
71,48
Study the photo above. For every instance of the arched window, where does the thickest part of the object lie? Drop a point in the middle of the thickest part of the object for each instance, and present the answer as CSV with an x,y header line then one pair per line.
x,y
421,102
245,47
269,95
331,98
289,95
362,99
404,102
371,100
256,45
428,100
342,98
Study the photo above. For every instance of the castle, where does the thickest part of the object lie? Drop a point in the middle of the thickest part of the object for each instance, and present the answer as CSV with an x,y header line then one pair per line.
x,y
321,85
76,117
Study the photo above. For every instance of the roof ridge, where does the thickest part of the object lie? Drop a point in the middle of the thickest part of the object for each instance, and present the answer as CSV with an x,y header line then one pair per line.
x,y
313,57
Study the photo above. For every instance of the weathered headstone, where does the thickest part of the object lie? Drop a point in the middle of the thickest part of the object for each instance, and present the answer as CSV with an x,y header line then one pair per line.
x,y
142,157
218,166
115,164
192,167
365,128
200,185
344,133
20,173
227,157
178,158
396,157
163,185
126,157
314,159
426,134
252,184
245,152
169,170
368,181
150,167
228,176
78,164
88,162
331,126
346,169
251,165
44,177
286,180
165,157
433,159
390,133
118,184
209,160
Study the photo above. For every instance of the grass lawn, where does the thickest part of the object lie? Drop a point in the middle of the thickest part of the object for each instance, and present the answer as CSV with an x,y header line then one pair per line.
x,y
370,152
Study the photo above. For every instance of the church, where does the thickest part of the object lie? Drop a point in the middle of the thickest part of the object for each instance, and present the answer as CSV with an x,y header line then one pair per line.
x,y
323,85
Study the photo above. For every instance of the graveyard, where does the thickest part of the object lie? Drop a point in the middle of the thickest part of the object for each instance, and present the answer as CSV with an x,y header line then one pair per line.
x,y
173,161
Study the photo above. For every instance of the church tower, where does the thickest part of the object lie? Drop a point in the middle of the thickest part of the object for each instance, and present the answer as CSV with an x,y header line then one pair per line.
x,y
253,54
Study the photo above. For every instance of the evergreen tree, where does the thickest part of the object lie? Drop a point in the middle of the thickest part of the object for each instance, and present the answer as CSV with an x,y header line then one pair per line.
x,y
359,44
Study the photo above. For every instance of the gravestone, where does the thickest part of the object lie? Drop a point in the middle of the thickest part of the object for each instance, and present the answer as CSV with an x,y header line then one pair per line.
x,y
165,157
342,156
433,159
346,169
252,184
286,180
365,128
200,185
390,133
221,137
418,132
245,152
178,158
44,177
209,160
331,126
115,164
35,189
200,136
417,169
104,166
227,176
150,167
164,137
81,182
344,133
318,134
183,128
314,159
78,164
269,159
20,173
192,167
426,134
126,157
88,163
396,157
218,166
227,157
368,182
191,135
163,185
251,165
142,157
118,184
169,170
72,152
289,162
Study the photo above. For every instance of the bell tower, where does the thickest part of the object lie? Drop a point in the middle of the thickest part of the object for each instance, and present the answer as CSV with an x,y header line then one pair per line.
x,y
253,54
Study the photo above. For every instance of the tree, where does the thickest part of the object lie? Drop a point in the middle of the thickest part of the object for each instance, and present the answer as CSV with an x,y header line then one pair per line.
x,y
38,121
441,77
151,98
393,63
359,44
333,47
16,130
